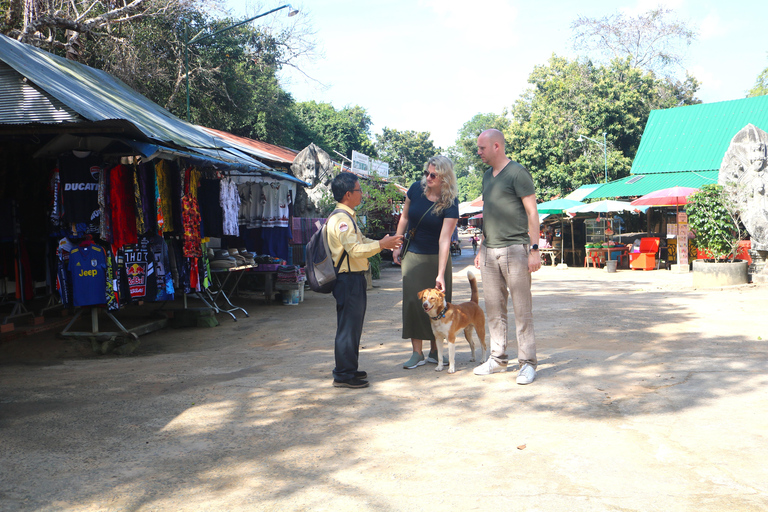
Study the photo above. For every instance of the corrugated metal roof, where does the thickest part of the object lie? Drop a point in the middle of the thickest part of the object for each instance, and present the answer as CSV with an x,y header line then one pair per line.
x,y
98,96
638,185
695,137
256,147
582,192
23,103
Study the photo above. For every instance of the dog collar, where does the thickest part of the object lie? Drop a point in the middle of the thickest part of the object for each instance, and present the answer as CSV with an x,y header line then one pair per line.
x,y
441,314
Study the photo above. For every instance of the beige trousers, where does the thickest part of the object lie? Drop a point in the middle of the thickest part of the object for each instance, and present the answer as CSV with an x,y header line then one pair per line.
x,y
505,272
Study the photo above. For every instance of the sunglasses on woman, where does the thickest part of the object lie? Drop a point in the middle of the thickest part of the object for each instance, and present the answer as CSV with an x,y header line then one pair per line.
x,y
432,175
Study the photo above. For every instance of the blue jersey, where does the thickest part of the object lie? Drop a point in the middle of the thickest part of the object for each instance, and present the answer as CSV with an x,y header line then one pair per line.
x,y
88,267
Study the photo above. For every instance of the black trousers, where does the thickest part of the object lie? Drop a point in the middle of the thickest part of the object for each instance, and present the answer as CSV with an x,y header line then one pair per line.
x,y
351,302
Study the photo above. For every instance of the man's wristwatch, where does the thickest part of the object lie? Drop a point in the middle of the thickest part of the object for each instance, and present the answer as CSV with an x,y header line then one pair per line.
x,y
535,247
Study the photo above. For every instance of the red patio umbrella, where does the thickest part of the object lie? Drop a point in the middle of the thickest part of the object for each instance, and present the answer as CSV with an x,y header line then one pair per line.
x,y
674,196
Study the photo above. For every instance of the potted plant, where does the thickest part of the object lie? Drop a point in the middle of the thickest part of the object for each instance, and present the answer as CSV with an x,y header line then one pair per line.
x,y
713,218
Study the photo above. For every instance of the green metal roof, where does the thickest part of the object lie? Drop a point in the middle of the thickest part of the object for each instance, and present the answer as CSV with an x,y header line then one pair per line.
x,y
639,185
695,137
583,191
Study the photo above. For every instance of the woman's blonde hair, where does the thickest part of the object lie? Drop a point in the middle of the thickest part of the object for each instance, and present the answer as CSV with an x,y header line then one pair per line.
x,y
449,188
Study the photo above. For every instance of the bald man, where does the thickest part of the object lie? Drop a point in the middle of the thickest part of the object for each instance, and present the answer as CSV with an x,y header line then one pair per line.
x,y
507,258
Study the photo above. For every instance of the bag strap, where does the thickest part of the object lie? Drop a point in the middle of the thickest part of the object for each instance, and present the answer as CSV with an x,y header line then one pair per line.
x,y
343,251
422,218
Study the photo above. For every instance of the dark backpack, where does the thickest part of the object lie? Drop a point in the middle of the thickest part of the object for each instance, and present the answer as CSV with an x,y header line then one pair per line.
x,y
321,273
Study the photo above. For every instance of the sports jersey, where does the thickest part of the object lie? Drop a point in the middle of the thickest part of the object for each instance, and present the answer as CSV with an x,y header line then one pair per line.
x,y
87,266
80,189
139,267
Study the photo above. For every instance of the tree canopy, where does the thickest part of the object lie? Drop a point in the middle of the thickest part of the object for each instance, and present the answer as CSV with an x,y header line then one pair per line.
x,y
341,130
467,165
653,40
761,85
568,98
405,152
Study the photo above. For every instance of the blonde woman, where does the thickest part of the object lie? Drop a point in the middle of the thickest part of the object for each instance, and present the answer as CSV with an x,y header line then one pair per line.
x,y
432,208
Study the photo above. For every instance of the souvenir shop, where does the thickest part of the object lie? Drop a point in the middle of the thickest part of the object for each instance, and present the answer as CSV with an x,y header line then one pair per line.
x,y
123,230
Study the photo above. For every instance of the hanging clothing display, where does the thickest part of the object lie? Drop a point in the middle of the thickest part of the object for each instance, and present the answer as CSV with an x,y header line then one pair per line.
x,y
210,208
164,279
165,201
191,216
122,205
230,205
149,220
80,193
140,269
63,280
87,267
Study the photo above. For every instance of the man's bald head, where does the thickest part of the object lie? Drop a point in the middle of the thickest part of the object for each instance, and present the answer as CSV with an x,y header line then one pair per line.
x,y
494,136
491,148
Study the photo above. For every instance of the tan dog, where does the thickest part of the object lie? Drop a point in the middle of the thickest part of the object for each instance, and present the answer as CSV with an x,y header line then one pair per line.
x,y
447,319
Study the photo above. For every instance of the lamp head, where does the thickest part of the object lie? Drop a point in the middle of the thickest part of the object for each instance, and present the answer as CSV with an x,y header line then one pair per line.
x,y
292,11
580,139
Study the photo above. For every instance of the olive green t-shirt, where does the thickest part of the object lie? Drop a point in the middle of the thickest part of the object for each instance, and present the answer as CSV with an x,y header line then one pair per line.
x,y
505,222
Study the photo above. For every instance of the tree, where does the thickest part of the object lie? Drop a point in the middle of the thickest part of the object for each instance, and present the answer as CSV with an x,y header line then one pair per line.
x,y
66,26
653,40
405,152
341,130
464,151
571,98
761,85
233,77
470,186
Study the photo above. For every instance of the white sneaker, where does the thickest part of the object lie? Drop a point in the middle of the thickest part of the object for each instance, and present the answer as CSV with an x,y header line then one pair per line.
x,y
489,367
526,375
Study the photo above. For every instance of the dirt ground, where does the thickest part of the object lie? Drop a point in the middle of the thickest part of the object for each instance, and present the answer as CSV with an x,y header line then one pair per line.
x,y
649,396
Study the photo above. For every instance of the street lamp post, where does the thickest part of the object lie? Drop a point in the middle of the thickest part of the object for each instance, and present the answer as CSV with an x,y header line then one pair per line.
x,y
200,37
605,151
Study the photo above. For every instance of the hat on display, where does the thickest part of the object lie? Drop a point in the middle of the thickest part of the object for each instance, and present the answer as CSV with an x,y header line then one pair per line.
x,y
248,256
236,254
222,259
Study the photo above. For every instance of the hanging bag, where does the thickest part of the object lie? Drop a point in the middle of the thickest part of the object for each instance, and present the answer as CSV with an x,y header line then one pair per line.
x,y
411,233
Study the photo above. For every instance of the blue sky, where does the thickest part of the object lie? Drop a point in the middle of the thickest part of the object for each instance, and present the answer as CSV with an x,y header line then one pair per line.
x,y
430,65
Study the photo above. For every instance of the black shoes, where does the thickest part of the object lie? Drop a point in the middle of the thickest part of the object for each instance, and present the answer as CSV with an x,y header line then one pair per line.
x,y
355,382
360,375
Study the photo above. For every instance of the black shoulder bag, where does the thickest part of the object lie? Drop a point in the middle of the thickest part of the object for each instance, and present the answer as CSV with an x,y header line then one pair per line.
x,y
412,233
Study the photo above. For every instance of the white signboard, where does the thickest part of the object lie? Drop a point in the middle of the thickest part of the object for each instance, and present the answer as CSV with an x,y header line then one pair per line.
x,y
360,163
364,165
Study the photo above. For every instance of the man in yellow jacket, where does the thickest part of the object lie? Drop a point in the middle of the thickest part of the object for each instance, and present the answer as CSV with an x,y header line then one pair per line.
x,y
350,290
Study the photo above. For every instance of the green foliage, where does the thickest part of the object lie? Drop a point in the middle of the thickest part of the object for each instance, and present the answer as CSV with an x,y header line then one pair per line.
x,y
464,151
712,218
405,152
568,98
342,130
379,200
761,85
470,186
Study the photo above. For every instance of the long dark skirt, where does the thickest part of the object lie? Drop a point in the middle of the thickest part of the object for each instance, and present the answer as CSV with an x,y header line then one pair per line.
x,y
419,272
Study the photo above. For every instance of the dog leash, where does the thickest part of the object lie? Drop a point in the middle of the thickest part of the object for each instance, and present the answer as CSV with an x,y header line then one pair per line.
x,y
441,314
